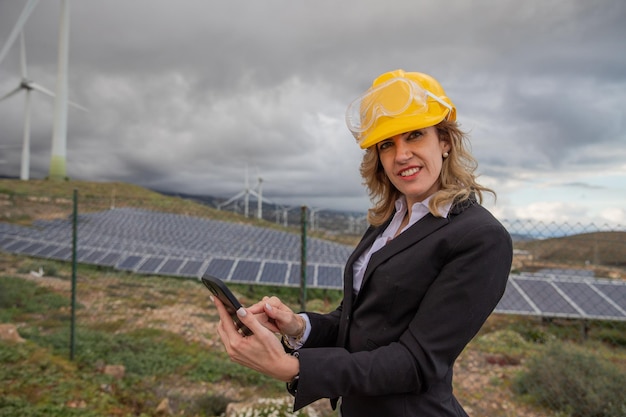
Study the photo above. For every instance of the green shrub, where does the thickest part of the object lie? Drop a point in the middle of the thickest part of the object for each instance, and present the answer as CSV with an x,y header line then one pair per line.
x,y
507,342
610,332
19,297
567,379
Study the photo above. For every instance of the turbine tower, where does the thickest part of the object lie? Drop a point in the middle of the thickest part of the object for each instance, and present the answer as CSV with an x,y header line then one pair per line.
x,y
59,133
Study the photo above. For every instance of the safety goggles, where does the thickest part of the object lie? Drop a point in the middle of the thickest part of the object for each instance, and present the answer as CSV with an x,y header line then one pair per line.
x,y
398,96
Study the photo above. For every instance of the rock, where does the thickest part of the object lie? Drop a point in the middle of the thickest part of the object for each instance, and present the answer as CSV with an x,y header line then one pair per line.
x,y
9,333
502,360
163,409
116,371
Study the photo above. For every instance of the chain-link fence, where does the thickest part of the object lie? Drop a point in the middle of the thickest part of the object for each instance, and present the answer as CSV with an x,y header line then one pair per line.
x,y
557,342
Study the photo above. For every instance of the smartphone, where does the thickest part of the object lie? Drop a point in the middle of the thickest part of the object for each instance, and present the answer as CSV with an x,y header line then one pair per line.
x,y
221,291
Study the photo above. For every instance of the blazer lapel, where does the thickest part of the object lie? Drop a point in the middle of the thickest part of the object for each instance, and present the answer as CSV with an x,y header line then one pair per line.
x,y
424,227
412,235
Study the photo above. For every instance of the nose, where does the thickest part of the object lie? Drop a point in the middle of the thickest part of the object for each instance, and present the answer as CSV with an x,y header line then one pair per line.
x,y
403,151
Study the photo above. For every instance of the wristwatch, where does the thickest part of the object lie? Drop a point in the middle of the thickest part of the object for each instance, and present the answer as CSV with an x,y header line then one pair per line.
x,y
292,386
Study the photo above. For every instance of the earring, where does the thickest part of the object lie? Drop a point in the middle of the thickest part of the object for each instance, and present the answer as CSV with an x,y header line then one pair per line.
x,y
445,155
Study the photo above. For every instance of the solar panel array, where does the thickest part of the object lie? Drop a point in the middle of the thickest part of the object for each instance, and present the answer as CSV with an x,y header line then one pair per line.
x,y
168,244
567,296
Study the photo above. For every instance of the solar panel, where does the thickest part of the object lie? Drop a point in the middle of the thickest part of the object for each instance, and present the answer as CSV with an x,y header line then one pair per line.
x,y
296,272
329,276
246,271
64,254
32,249
93,257
82,254
48,250
16,246
151,265
274,273
191,268
171,266
130,262
220,268
5,241
546,297
110,259
615,292
513,301
590,302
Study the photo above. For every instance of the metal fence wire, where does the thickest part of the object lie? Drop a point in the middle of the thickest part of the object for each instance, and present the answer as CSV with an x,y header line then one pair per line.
x,y
567,285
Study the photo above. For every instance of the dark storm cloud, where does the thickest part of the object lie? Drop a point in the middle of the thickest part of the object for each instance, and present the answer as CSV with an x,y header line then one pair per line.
x,y
191,95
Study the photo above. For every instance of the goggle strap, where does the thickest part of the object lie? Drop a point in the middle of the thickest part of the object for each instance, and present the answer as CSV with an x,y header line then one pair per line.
x,y
440,101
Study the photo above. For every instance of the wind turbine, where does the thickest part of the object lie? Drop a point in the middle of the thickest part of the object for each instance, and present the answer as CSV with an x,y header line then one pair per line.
x,y
25,83
245,193
28,85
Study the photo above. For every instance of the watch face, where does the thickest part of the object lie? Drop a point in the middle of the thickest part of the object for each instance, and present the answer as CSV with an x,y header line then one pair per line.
x,y
292,387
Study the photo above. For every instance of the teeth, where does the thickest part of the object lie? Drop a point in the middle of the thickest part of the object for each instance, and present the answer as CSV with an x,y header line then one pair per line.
x,y
409,172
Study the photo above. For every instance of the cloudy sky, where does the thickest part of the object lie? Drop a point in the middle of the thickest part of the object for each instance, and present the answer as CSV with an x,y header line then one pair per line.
x,y
189,95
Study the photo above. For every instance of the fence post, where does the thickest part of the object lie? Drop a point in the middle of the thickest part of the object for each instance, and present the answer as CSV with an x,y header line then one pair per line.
x,y
303,252
73,305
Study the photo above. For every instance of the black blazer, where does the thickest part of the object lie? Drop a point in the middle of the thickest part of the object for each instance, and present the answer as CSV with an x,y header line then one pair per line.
x,y
389,351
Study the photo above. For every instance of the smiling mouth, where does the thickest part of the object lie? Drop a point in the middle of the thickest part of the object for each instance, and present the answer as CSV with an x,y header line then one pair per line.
x,y
409,172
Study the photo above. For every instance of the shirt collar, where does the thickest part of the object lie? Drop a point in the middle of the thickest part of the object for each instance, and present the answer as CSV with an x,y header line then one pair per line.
x,y
419,209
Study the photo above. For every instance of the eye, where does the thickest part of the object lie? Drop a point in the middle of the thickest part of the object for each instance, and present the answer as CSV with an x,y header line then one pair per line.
x,y
384,145
416,134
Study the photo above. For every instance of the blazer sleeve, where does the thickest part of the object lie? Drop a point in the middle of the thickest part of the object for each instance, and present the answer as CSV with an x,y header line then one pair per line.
x,y
456,304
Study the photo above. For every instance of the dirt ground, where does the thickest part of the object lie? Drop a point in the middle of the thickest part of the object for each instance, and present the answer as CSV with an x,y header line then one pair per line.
x,y
481,380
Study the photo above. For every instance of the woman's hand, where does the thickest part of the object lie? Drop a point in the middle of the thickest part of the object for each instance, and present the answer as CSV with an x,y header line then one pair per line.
x,y
262,351
277,317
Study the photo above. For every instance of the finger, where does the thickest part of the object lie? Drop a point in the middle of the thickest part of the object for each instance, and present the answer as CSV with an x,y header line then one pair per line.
x,y
278,313
250,321
257,308
226,320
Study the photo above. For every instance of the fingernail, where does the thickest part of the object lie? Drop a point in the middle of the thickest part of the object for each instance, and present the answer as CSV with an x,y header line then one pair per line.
x,y
211,298
242,312
268,306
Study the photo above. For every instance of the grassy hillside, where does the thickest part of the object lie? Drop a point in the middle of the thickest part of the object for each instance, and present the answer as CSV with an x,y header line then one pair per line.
x,y
29,200
23,202
606,248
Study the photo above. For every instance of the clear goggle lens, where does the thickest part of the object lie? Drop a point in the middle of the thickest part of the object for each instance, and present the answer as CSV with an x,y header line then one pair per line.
x,y
391,98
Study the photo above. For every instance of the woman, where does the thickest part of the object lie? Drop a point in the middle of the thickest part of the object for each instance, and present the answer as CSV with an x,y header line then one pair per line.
x,y
418,287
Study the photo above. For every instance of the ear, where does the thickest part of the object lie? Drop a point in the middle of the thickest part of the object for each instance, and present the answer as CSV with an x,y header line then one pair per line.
x,y
444,145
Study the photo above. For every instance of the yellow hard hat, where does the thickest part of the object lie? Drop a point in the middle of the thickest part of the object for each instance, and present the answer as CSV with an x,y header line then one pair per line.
x,y
398,102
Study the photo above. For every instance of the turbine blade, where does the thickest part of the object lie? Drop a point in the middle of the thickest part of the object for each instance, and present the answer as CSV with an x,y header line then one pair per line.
x,y
23,56
47,92
12,92
41,89
78,106
18,27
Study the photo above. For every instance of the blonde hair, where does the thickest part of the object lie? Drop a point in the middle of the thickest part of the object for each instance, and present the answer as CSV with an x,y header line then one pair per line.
x,y
457,179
